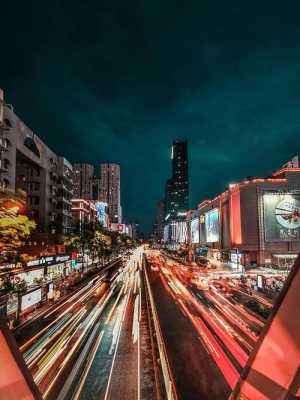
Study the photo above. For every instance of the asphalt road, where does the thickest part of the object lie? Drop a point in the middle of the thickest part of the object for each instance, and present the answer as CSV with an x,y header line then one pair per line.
x,y
195,373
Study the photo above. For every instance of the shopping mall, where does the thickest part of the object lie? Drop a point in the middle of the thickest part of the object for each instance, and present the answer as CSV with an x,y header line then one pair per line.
x,y
254,222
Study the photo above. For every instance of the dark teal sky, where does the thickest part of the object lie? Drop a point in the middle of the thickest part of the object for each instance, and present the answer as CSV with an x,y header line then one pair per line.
x,y
117,81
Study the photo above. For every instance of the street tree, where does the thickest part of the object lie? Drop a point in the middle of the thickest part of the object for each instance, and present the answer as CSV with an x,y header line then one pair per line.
x,y
15,227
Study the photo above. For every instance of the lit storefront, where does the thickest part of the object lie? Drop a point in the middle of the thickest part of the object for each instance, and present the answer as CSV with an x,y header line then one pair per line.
x,y
56,271
284,261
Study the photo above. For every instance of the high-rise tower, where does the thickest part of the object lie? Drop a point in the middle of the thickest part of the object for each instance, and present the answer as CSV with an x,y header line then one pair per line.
x,y
177,188
110,190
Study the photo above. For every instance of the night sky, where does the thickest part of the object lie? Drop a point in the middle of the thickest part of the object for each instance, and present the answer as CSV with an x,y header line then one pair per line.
x,y
117,81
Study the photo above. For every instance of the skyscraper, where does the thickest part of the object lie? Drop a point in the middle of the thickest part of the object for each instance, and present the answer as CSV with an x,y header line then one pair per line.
x,y
83,174
177,188
110,190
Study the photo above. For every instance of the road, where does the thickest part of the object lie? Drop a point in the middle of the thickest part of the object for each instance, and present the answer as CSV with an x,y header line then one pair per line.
x,y
194,368
204,326
91,345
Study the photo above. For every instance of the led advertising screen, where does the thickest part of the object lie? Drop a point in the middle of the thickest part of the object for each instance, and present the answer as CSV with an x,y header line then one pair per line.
x,y
30,299
212,225
195,237
281,216
101,207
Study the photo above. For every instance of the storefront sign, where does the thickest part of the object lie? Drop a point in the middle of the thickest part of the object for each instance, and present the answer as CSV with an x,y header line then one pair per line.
x,y
33,263
47,260
7,266
62,258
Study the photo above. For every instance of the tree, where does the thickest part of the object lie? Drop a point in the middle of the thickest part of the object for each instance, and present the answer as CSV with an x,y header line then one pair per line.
x,y
15,227
81,239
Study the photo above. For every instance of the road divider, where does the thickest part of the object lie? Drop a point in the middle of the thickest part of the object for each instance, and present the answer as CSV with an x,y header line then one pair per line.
x,y
165,366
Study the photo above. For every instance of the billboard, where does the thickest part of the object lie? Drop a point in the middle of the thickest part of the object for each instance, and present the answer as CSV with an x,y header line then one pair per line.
x,y
212,225
195,236
30,299
281,216
121,228
101,208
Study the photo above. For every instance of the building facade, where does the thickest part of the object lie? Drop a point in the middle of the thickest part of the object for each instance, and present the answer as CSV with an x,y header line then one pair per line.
x,y
83,212
254,222
83,176
110,190
177,187
64,196
27,163
159,221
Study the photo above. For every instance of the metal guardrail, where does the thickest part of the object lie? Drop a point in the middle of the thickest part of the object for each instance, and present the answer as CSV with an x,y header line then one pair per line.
x,y
166,369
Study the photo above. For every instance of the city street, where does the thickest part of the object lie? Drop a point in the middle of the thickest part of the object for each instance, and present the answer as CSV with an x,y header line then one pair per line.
x,y
150,200
194,369
205,328
89,346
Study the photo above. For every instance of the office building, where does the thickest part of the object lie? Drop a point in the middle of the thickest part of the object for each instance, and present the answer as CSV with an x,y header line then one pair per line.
x,y
159,221
110,191
177,187
83,175
95,183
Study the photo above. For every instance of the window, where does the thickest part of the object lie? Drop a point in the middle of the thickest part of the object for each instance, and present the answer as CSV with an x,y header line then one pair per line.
x,y
5,183
6,163
31,145
7,122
